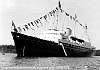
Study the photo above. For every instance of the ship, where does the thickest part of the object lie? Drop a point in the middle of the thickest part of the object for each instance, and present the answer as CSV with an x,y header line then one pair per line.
x,y
54,41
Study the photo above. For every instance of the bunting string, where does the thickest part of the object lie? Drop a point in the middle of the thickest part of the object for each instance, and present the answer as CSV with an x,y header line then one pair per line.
x,y
38,21
26,27
49,16
67,14
30,25
45,17
73,18
70,17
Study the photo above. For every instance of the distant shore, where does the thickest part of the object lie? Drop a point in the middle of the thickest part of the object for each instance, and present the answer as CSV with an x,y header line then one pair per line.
x,y
7,49
12,49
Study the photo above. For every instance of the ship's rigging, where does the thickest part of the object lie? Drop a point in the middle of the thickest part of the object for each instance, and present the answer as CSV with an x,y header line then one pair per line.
x,y
62,40
51,18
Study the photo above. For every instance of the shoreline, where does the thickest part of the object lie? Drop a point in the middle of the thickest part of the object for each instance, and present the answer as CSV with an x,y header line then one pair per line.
x,y
12,49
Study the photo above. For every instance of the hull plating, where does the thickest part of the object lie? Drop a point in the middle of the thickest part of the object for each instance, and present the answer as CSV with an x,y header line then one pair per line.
x,y
76,51
27,46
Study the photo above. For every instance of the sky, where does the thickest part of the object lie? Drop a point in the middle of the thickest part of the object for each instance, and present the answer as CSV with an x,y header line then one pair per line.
x,y
24,11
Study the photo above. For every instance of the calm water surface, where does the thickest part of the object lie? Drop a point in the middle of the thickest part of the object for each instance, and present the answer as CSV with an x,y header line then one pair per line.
x,y
10,62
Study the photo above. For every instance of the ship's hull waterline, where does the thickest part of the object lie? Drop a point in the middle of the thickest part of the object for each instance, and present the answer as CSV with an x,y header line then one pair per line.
x,y
28,46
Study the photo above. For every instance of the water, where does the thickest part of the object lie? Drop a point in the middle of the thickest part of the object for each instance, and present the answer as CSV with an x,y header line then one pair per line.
x,y
10,62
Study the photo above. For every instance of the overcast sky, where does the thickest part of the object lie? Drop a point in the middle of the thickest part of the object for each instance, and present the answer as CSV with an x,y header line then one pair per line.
x,y
24,11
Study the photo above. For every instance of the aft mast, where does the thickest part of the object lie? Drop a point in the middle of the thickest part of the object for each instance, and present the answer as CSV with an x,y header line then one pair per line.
x,y
85,27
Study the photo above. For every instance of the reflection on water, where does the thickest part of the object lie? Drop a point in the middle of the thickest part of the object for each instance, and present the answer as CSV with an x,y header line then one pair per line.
x,y
68,63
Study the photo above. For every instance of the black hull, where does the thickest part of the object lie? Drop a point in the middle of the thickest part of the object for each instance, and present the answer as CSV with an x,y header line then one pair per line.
x,y
76,51
28,46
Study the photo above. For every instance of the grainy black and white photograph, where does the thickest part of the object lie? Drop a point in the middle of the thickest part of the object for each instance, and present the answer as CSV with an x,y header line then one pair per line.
x,y
49,35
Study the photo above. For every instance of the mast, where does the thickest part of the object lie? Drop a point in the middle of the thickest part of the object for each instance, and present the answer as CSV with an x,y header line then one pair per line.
x,y
59,10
